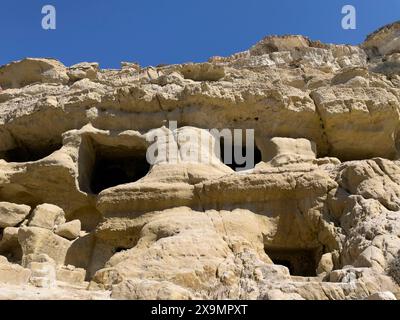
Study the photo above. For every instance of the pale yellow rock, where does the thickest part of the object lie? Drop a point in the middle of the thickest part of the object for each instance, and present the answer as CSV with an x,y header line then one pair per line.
x,y
32,70
202,72
71,275
47,216
280,151
273,43
326,263
387,295
371,257
149,290
316,216
13,274
385,40
69,230
34,240
12,214
83,70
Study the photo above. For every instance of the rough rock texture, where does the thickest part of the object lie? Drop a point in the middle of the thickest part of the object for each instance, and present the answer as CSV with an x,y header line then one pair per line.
x,y
318,217
69,230
47,216
12,214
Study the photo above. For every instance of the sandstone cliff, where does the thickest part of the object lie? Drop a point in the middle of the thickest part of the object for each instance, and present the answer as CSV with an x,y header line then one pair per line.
x,y
84,215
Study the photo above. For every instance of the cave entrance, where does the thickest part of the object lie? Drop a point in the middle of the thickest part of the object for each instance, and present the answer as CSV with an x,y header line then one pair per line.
x,y
300,262
9,245
229,150
27,154
117,165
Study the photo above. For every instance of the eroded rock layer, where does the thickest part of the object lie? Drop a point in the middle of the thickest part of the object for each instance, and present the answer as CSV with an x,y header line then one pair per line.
x,y
83,214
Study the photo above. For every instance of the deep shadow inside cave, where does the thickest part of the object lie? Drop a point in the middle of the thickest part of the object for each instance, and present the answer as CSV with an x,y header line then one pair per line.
x,y
232,161
27,154
300,262
114,166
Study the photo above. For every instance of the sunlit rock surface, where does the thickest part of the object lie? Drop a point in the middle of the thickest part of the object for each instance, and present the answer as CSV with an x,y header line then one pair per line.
x,y
84,215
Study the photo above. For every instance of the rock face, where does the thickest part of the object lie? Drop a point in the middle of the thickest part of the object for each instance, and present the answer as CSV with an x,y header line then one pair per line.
x,y
112,183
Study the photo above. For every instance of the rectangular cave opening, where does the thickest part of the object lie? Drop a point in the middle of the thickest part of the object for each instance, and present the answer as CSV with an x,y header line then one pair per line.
x,y
299,261
228,150
10,247
116,165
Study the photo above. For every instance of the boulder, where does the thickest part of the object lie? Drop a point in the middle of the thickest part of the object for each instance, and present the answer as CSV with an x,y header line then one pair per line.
x,y
384,41
34,240
202,71
274,44
12,214
325,264
13,274
47,216
280,151
70,230
83,70
70,274
32,70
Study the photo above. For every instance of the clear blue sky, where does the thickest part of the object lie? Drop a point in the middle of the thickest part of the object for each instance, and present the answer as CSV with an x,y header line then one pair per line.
x,y
152,32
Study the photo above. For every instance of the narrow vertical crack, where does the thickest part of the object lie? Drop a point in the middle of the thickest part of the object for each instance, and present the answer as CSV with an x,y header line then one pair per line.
x,y
324,134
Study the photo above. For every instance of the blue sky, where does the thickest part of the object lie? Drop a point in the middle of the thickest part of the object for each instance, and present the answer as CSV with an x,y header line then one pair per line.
x,y
152,32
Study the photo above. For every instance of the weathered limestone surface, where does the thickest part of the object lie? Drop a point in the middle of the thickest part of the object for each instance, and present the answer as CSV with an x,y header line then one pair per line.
x,y
12,214
84,215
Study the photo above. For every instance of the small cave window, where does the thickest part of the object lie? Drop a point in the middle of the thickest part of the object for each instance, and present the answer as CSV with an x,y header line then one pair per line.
x,y
300,262
237,157
117,165
23,153
10,248
13,254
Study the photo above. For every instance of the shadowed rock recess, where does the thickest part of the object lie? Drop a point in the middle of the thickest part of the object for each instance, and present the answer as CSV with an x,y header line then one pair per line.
x,y
83,215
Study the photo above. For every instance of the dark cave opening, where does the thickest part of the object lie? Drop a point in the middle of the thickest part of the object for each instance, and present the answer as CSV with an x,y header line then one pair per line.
x,y
285,263
300,262
117,165
10,247
23,153
120,249
229,152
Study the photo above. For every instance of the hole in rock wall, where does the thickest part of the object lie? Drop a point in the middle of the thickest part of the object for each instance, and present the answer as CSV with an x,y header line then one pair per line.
x,y
114,243
25,153
119,249
293,239
300,262
116,165
13,252
229,150
10,247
